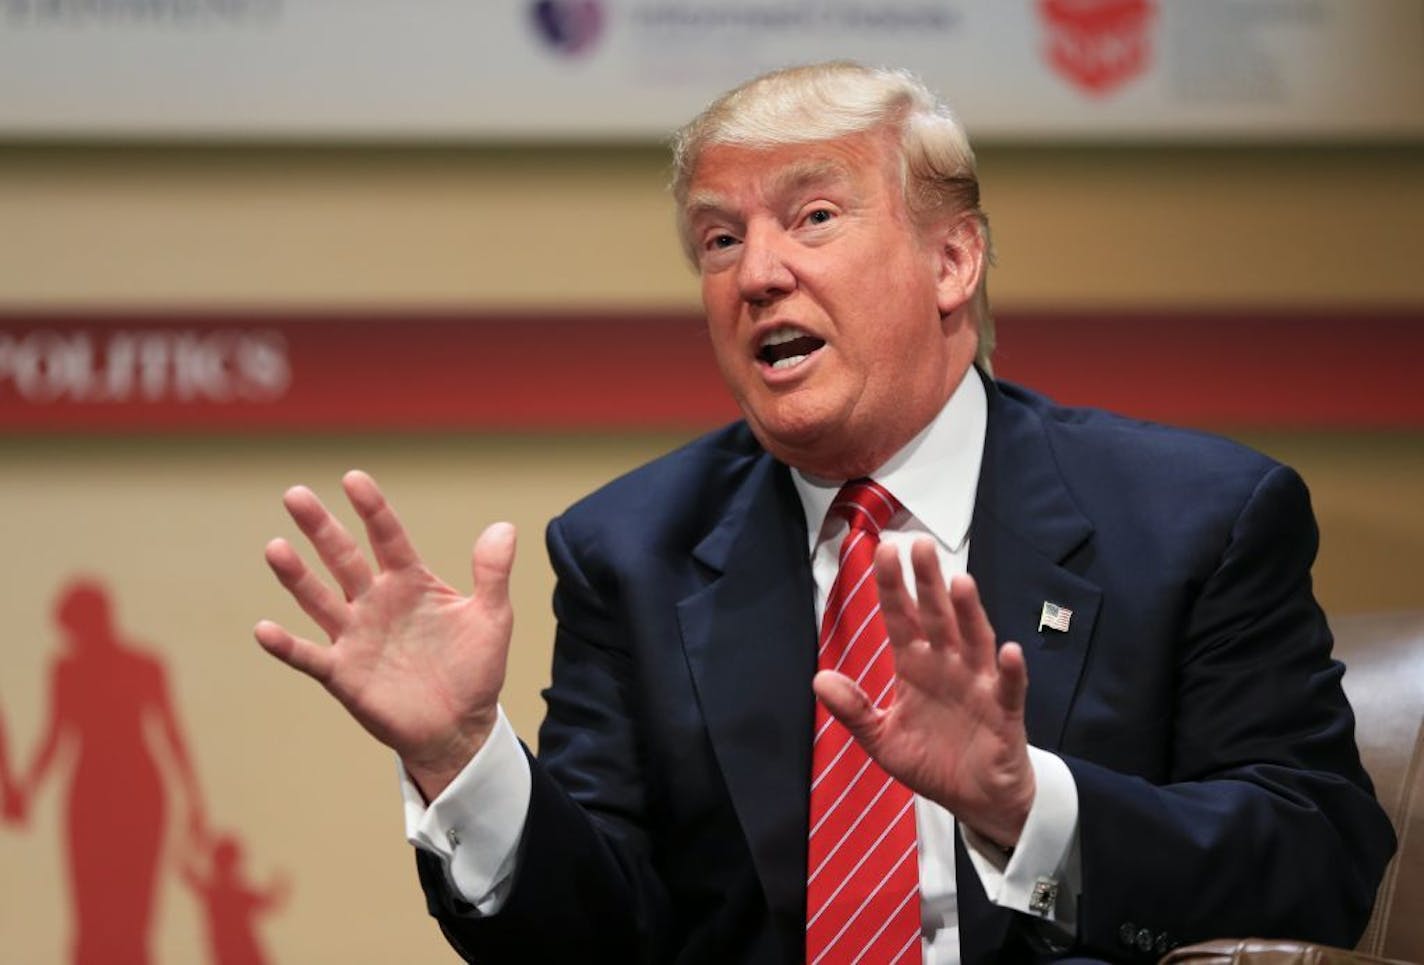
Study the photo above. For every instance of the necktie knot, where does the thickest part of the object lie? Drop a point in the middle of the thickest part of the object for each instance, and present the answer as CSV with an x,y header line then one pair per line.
x,y
866,505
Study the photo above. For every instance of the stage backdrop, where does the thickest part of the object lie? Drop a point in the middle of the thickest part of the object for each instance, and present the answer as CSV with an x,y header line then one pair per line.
x,y
201,800
1025,70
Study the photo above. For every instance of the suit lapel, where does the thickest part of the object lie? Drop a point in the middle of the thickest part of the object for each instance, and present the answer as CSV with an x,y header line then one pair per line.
x,y
1022,545
749,637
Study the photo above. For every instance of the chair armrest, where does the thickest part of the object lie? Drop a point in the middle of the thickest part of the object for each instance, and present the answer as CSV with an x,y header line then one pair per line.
x,y
1268,951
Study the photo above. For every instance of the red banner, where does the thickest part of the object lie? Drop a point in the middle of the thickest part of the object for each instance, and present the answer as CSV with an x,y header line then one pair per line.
x,y
329,372
269,372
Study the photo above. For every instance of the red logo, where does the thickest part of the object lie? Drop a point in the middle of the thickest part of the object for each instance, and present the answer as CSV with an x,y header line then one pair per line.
x,y
1098,44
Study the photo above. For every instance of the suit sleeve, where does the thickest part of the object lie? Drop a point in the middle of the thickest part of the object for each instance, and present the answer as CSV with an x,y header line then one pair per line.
x,y
1267,824
584,888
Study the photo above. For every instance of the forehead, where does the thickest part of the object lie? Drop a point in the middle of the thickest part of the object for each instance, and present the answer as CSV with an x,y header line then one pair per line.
x,y
729,176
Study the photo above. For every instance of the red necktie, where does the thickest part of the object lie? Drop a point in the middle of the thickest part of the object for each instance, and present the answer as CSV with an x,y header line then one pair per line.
x,y
862,892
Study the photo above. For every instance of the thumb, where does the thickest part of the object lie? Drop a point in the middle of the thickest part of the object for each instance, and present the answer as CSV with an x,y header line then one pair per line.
x,y
491,562
849,705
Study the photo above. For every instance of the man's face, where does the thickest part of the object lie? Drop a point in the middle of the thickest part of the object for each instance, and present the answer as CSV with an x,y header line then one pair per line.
x,y
837,324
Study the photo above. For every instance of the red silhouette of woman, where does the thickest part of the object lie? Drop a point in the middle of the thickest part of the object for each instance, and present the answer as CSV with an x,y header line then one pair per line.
x,y
231,904
11,805
108,702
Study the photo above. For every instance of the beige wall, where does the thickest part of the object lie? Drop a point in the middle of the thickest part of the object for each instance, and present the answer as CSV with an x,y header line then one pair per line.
x,y
176,529
176,525
485,228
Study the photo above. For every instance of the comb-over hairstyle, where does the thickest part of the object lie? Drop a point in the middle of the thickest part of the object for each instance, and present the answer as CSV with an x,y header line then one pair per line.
x,y
822,102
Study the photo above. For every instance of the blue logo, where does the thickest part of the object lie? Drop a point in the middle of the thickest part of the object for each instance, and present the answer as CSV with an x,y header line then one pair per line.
x,y
569,26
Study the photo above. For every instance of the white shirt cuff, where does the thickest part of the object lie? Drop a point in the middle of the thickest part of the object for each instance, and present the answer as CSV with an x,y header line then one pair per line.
x,y
476,823
1040,877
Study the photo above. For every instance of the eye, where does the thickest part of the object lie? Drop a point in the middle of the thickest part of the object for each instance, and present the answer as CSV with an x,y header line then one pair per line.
x,y
719,242
820,216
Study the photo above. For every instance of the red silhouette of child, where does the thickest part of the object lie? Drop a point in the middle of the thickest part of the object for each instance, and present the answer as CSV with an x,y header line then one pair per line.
x,y
230,903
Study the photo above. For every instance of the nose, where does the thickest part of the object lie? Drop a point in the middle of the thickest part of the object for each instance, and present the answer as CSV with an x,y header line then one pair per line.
x,y
763,274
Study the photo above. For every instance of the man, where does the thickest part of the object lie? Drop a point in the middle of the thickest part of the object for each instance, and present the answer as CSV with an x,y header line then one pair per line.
x,y
1181,767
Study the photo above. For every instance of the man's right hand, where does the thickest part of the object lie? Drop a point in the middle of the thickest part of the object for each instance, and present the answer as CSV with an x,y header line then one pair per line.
x,y
419,665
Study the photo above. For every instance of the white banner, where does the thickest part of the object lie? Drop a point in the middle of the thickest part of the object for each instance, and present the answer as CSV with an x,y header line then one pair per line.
x,y
480,70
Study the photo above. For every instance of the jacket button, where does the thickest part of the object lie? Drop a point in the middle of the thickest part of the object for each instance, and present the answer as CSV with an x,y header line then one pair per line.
x,y
1164,943
1144,939
1127,934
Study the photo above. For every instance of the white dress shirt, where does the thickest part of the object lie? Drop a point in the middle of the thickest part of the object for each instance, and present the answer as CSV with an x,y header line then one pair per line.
x,y
476,823
935,477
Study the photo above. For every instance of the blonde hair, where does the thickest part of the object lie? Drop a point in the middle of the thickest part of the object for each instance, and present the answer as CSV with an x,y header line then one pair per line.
x,y
822,102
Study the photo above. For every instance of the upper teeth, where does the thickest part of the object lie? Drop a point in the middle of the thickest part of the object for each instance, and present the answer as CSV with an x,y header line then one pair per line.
x,y
781,335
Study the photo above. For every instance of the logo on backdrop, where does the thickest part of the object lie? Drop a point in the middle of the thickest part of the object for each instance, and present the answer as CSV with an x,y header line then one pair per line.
x,y
569,26
114,739
122,365
1098,45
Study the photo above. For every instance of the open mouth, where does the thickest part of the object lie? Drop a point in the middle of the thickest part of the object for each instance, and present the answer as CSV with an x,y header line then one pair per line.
x,y
787,348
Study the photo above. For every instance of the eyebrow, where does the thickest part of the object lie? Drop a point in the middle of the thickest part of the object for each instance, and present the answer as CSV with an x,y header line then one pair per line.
x,y
794,177
804,174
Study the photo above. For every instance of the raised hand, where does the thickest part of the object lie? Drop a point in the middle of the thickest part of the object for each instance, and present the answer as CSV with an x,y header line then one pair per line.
x,y
415,662
955,731
199,837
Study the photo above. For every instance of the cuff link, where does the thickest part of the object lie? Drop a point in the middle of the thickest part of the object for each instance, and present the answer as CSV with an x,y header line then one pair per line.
x,y
1044,897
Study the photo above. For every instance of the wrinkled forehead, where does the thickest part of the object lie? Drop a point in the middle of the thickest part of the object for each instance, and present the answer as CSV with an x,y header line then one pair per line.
x,y
729,174
722,191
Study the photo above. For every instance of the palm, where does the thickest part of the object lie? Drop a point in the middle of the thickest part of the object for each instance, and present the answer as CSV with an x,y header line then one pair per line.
x,y
415,662
415,655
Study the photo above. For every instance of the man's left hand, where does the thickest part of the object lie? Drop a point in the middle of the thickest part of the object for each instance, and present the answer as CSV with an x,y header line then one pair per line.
x,y
954,732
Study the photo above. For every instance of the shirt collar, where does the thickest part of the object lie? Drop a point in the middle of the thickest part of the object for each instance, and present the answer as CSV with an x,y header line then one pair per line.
x,y
935,476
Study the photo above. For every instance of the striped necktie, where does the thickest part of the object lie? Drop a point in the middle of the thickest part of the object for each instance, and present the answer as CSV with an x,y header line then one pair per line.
x,y
862,892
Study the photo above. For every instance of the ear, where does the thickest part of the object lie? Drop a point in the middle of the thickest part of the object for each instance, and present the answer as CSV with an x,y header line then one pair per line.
x,y
960,256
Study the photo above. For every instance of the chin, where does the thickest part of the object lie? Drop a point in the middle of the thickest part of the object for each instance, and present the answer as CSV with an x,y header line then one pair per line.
x,y
814,448
792,445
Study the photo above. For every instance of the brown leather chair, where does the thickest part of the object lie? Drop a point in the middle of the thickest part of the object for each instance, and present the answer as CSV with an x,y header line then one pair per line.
x,y
1383,655
1264,951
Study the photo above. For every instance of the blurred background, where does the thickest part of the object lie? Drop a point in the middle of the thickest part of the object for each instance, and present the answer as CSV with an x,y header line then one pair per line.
x,y
250,244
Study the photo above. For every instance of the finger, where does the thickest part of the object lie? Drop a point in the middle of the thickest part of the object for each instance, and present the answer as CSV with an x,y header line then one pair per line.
x,y
1013,680
850,705
974,627
312,595
902,621
389,541
332,543
491,563
313,660
936,612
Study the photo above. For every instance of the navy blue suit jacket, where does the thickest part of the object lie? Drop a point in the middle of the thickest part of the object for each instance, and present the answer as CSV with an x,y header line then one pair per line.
x,y
1193,698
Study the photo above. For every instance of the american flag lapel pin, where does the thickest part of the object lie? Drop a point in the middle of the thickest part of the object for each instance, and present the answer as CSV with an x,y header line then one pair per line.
x,y
1054,617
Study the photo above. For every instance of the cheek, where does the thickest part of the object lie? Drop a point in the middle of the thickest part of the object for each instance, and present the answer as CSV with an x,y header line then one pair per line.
x,y
721,337
720,306
715,293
